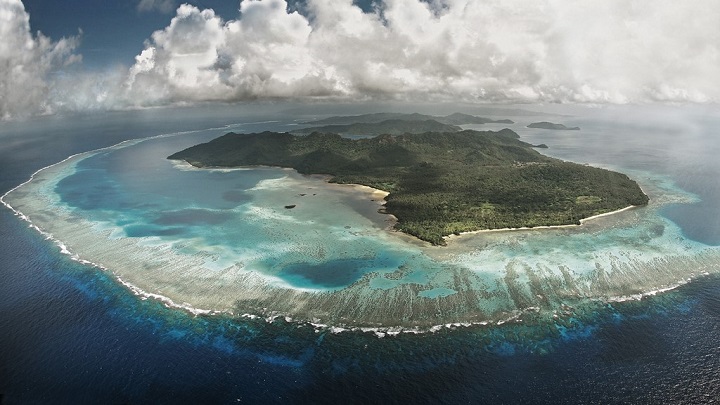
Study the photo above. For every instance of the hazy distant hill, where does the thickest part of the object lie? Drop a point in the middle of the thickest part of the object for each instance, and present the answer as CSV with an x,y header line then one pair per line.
x,y
464,119
550,125
327,109
391,126
452,119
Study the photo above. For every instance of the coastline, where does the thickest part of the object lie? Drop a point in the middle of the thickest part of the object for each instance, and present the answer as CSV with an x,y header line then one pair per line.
x,y
380,195
450,238
375,194
492,285
629,207
324,310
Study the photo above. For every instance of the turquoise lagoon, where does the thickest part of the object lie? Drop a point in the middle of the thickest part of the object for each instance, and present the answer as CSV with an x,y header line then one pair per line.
x,y
223,241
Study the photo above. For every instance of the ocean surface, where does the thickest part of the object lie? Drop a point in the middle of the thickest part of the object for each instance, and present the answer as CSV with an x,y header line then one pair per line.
x,y
71,333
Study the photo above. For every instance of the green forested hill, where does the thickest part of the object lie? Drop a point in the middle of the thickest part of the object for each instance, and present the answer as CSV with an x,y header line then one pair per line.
x,y
439,183
392,127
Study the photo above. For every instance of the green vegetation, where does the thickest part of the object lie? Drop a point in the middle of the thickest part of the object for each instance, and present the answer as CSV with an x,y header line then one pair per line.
x,y
392,127
440,183
550,125
587,199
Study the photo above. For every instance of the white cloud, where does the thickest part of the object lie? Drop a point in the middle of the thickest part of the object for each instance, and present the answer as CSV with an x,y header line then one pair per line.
x,y
611,51
26,61
164,6
201,57
180,64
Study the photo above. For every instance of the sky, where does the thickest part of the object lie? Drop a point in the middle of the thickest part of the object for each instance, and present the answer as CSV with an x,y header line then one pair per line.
x,y
87,55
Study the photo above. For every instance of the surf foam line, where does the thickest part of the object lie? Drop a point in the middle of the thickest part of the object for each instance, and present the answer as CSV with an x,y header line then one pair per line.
x,y
166,301
169,303
514,317
379,332
639,297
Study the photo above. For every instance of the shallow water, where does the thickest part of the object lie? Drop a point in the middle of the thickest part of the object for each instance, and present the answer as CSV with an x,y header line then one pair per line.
x,y
268,241
70,333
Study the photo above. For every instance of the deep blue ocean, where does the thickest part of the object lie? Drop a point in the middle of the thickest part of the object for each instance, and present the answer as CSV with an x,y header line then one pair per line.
x,y
70,334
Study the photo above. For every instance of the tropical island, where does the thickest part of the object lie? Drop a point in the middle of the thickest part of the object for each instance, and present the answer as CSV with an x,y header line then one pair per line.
x,y
439,183
550,125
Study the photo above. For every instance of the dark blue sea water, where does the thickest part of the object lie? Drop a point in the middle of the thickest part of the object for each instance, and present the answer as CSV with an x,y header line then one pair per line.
x,y
70,334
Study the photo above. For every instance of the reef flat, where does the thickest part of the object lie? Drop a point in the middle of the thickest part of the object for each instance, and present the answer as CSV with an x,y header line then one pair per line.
x,y
220,240
439,183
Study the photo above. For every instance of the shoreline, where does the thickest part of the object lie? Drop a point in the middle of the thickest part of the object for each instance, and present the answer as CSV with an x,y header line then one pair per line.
x,y
379,331
378,195
396,309
336,323
550,227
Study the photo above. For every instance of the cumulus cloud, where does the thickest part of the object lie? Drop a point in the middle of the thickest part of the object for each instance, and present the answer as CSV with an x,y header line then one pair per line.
x,y
201,57
614,51
164,6
26,61
611,51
